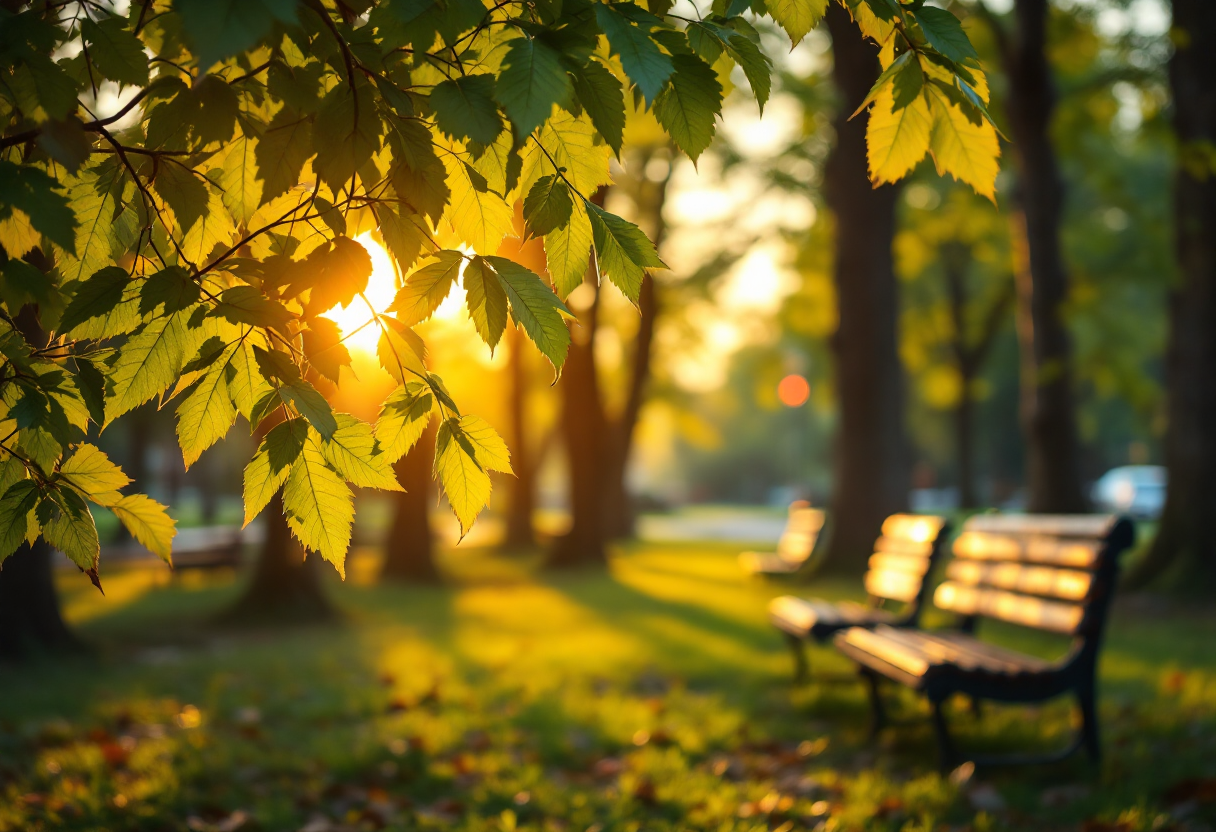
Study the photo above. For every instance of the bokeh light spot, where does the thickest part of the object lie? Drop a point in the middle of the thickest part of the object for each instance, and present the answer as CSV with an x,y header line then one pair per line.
x,y
793,390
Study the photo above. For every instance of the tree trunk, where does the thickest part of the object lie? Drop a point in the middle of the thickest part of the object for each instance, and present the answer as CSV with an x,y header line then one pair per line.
x,y
872,472
1184,538
522,493
30,622
1048,413
286,585
619,518
582,426
409,551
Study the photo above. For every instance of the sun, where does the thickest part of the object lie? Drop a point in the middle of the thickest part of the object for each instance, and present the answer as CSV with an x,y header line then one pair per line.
x,y
355,319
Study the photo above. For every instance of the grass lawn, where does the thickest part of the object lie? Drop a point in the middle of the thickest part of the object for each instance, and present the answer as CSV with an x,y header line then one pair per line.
x,y
651,697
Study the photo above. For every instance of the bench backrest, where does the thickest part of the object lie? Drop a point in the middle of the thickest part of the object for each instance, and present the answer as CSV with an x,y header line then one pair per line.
x,y
903,557
1048,572
801,531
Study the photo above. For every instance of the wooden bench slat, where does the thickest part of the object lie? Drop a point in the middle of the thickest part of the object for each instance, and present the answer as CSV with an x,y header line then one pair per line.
x,y
1058,525
896,586
975,545
1058,616
1068,584
904,546
913,527
908,564
891,651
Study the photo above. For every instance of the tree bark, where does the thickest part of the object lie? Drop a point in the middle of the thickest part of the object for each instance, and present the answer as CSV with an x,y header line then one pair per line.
x,y
1047,409
582,426
872,470
619,517
1184,538
409,551
30,621
286,585
522,493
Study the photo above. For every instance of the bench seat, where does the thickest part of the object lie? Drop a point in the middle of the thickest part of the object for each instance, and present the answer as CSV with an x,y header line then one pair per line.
x,y
818,619
899,570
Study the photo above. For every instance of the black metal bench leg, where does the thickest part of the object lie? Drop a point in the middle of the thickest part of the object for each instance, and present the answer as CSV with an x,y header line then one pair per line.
x,y
945,745
878,715
1087,701
798,650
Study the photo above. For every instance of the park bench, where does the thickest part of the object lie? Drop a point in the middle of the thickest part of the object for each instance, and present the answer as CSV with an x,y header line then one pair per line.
x,y
201,548
802,532
1051,573
898,572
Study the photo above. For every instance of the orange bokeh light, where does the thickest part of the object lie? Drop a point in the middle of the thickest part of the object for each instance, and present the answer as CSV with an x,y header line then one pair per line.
x,y
793,390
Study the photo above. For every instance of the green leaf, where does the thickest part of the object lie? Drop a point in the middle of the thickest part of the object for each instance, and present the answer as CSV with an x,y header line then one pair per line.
x,y
346,133
622,250
568,252
16,504
115,52
403,419
296,391
92,386
536,309
353,454
688,106
34,192
149,362
95,297
71,529
319,506
908,83
282,152
599,92
645,64
756,66
548,205
945,33
419,178
207,413
531,82
170,289
222,28
247,305
92,250
487,302
465,109
884,79
401,352
403,237
272,463
92,474
324,348
183,191
218,108
66,142
797,17
426,288
464,480
148,522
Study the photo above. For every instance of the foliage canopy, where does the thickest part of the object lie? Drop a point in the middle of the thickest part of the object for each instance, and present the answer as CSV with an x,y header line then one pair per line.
x,y
183,247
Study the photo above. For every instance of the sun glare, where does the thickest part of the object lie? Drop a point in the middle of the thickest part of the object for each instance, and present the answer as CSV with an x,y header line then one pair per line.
x,y
355,319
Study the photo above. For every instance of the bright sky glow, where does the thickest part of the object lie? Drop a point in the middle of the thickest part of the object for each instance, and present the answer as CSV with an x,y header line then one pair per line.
x,y
381,289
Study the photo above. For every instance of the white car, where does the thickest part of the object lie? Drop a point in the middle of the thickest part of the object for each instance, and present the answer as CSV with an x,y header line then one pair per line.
x,y
1135,490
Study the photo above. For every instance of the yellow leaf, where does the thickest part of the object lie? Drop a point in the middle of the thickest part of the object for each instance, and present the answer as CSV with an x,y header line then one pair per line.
x,y
571,143
319,506
464,480
896,140
967,151
149,523
491,452
94,475
17,234
481,218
